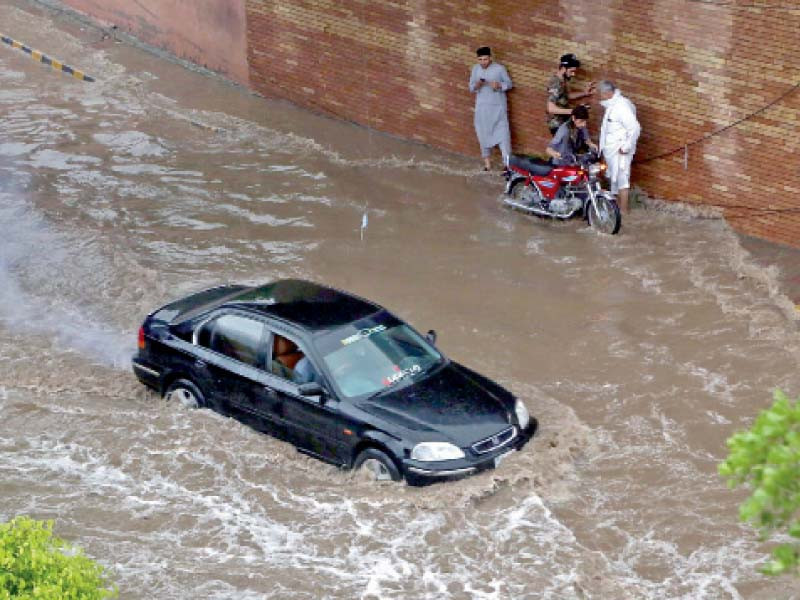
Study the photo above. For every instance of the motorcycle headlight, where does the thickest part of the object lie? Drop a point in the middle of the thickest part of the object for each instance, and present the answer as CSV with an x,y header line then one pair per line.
x,y
523,416
597,168
429,451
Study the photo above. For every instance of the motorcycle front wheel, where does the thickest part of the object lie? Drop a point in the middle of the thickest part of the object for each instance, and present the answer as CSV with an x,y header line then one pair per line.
x,y
604,214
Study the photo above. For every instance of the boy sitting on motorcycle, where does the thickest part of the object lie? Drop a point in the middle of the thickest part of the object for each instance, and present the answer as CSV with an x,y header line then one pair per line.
x,y
571,138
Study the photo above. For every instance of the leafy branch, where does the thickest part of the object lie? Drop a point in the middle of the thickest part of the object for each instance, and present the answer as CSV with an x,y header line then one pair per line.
x,y
35,565
766,459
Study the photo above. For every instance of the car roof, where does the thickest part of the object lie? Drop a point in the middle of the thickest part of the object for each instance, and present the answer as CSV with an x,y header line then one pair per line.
x,y
305,303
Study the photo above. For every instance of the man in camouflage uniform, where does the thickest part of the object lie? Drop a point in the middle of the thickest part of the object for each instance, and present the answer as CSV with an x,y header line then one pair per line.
x,y
558,94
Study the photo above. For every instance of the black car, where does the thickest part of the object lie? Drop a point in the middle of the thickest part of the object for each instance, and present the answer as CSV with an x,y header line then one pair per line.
x,y
340,377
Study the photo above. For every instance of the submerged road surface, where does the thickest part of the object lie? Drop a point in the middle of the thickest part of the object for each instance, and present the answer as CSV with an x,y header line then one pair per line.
x,y
639,354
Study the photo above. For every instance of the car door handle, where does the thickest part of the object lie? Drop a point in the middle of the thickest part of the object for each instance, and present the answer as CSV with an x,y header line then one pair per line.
x,y
200,364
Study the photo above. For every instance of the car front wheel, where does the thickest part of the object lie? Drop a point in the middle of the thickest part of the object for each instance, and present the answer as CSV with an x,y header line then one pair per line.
x,y
378,464
185,392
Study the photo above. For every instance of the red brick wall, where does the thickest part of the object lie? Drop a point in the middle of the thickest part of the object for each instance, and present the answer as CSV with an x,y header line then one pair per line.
x,y
691,68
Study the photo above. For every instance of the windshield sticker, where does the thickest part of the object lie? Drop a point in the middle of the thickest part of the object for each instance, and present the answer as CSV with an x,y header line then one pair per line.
x,y
364,333
400,373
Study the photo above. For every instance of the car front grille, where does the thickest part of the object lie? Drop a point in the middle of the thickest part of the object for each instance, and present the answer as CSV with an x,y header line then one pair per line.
x,y
496,441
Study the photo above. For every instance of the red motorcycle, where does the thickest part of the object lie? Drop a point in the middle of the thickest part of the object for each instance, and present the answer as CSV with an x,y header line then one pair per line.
x,y
561,192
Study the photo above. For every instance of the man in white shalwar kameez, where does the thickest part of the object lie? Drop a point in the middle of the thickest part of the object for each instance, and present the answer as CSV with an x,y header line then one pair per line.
x,y
489,82
619,133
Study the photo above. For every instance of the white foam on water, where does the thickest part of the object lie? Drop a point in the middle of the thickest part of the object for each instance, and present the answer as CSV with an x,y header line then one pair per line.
x,y
190,256
16,148
153,169
134,143
8,96
53,159
278,168
218,494
730,250
261,218
285,252
242,197
712,571
234,129
190,223
22,235
7,73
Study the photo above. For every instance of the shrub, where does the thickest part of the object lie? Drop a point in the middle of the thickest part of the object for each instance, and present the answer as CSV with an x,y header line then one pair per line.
x,y
766,459
34,564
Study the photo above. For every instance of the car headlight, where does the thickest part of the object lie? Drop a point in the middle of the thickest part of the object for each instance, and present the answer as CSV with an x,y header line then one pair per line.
x,y
523,416
428,451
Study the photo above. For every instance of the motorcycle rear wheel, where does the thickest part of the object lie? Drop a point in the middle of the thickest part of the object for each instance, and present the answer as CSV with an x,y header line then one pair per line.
x,y
520,193
604,214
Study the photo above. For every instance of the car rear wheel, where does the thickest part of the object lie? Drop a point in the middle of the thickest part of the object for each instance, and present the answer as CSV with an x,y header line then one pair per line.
x,y
185,392
378,464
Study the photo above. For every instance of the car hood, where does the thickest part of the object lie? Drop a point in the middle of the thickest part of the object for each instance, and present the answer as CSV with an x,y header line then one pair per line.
x,y
448,405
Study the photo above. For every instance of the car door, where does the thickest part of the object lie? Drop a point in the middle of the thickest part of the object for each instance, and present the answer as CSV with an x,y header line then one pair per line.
x,y
318,426
235,360
315,424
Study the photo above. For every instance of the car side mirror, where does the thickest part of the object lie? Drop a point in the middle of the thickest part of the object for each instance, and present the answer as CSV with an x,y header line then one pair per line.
x,y
312,388
431,336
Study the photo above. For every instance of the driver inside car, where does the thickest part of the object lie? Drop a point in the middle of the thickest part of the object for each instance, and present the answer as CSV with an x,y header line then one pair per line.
x,y
571,138
304,372
289,362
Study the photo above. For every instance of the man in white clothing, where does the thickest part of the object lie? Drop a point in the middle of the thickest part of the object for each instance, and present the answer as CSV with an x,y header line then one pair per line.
x,y
618,135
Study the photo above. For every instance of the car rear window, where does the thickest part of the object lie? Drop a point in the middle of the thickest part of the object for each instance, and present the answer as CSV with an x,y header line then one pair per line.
x,y
235,336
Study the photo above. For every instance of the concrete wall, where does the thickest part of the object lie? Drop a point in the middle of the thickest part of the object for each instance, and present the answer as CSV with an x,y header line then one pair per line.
x,y
210,33
401,66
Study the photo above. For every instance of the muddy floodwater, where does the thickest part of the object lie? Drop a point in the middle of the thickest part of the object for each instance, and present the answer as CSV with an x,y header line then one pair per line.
x,y
638,353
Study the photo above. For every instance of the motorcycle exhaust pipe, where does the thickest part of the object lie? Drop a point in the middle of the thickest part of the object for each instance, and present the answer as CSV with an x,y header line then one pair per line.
x,y
541,212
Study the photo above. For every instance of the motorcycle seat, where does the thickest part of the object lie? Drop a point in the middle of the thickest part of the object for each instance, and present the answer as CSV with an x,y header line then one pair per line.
x,y
536,166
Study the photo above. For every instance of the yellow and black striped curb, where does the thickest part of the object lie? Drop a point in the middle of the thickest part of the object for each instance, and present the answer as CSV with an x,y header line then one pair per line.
x,y
36,55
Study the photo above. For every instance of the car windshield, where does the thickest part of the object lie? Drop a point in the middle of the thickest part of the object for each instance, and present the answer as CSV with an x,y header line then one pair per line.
x,y
366,360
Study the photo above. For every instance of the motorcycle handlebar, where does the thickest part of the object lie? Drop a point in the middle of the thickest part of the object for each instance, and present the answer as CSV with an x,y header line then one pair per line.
x,y
583,159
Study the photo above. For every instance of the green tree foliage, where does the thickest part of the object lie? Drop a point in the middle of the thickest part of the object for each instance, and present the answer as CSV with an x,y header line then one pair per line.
x,y
35,565
766,459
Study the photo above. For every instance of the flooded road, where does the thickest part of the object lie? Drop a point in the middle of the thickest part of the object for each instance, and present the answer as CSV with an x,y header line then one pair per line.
x,y
639,353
